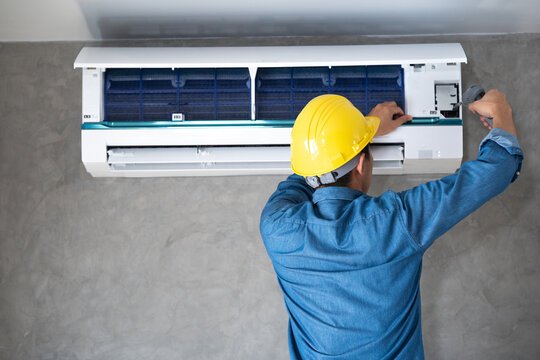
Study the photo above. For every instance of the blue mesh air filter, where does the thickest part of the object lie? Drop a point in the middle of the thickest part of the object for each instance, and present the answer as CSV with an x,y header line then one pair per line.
x,y
155,94
281,93
224,94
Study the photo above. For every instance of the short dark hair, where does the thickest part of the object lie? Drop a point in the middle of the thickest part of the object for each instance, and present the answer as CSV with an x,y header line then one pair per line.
x,y
346,179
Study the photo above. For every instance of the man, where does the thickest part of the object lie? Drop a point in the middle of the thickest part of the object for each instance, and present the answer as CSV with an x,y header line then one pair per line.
x,y
349,264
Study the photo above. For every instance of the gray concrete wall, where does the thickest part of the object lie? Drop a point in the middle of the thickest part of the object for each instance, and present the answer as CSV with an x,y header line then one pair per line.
x,y
175,269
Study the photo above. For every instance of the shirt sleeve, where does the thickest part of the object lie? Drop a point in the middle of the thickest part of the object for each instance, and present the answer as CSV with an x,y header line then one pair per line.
x,y
429,210
285,201
289,193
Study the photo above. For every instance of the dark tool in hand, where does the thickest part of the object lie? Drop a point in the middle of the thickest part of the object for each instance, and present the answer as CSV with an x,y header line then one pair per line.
x,y
472,94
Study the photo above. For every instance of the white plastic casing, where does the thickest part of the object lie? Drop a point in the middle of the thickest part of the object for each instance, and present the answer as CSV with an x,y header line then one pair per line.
x,y
427,148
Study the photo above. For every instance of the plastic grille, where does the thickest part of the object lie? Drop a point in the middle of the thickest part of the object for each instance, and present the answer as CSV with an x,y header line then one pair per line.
x,y
281,93
225,94
157,94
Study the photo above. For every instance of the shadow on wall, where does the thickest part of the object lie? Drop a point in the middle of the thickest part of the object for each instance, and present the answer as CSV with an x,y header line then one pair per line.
x,y
165,19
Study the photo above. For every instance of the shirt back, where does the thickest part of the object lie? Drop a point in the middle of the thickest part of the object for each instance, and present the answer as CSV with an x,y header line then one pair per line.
x,y
349,264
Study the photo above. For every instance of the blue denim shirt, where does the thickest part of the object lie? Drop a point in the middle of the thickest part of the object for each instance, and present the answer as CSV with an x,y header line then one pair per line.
x,y
349,264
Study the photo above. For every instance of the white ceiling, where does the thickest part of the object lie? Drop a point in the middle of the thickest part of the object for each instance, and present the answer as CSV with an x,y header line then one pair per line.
x,y
51,20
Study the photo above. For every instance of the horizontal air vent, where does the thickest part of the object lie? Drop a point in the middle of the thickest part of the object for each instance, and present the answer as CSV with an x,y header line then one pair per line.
x,y
200,158
180,94
281,93
387,156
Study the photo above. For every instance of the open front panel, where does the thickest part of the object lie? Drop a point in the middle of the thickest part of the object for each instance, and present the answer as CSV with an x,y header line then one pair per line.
x,y
281,93
180,94
225,93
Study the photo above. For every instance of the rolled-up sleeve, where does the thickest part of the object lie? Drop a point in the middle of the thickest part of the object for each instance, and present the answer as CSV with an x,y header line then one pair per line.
x,y
509,142
431,209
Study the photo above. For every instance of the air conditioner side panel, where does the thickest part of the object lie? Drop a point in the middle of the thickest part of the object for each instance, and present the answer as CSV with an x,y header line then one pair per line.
x,y
92,95
430,149
420,86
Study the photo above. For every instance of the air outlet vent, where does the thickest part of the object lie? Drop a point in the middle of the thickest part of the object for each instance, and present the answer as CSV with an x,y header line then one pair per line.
x,y
243,159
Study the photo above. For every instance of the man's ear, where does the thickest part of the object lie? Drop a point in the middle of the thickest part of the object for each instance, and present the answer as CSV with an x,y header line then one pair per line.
x,y
360,166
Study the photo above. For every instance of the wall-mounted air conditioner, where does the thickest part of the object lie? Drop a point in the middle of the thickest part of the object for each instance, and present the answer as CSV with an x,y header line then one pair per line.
x,y
230,110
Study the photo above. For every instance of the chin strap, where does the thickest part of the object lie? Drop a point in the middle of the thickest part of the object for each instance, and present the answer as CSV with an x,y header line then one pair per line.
x,y
333,176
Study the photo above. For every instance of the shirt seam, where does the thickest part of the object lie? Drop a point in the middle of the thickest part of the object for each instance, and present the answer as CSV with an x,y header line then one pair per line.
x,y
278,218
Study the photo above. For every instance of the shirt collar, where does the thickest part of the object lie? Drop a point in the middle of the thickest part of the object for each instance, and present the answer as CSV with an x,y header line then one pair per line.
x,y
335,193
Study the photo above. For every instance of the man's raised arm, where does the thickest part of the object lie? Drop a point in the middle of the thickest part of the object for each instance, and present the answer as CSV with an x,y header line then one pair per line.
x,y
431,209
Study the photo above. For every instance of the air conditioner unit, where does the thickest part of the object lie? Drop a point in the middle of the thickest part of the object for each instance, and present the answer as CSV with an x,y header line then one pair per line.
x,y
229,110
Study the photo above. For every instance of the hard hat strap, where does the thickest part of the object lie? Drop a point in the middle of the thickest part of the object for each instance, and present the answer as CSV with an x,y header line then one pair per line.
x,y
333,176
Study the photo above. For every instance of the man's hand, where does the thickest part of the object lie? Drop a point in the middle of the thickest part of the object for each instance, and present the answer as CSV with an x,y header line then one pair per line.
x,y
494,105
391,117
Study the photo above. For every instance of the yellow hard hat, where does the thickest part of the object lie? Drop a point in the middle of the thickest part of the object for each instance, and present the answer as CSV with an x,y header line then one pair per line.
x,y
329,132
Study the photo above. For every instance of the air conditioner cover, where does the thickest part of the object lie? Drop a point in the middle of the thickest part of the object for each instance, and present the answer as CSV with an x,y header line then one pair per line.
x,y
229,110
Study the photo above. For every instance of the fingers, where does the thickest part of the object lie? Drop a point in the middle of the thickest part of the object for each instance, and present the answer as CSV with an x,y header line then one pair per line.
x,y
403,119
481,107
472,108
485,122
391,111
483,111
394,108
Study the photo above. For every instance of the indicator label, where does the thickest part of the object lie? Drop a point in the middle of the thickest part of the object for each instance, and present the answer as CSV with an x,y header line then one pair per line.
x,y
178,117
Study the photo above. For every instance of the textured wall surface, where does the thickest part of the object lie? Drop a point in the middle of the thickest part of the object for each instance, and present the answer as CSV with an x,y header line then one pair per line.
x,y
87,20
175,269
